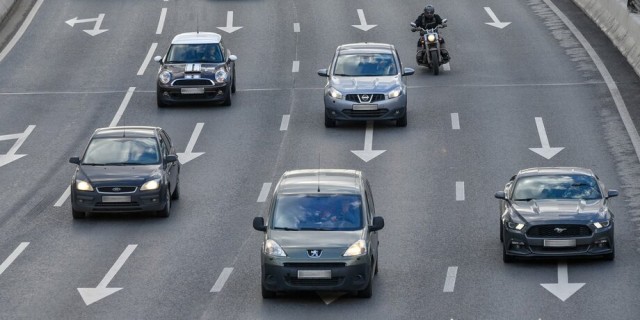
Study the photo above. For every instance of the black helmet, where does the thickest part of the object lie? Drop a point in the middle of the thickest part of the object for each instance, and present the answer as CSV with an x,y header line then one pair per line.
x,y
429,11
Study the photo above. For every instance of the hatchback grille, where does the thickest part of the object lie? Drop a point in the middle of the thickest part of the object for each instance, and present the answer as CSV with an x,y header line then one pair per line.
x,y
559,231
359,97
304,265
314,282
365,113
117,206
116,189
193,82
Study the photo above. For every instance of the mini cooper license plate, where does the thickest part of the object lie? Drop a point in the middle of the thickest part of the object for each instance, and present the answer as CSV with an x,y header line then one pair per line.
x,y
560,243
314,274
365,106
116,198
192,90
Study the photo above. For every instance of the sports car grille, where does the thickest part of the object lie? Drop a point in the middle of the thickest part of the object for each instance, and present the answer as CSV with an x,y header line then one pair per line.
x,y
304,265
559,231
313,282
365,113
193,82
116,189
360,99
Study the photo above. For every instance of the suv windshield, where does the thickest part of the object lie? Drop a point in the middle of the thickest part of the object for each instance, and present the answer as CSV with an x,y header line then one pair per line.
x,y
365,65
327,212
195,53
557,187
122,151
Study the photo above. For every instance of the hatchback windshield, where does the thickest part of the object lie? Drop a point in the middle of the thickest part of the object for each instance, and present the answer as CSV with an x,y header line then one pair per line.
x,y
122,151
557,187
195,53
318,212
365,65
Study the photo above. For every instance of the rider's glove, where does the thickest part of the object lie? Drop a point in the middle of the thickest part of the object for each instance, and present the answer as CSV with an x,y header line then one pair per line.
x,y
413,29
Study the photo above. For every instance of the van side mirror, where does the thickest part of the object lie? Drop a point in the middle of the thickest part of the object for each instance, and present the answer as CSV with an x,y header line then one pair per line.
x,y
258,224
322,72
378,224
612,193
171,158
74,160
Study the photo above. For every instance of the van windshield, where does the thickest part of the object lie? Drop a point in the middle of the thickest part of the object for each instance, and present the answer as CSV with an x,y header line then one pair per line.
x,y
325,212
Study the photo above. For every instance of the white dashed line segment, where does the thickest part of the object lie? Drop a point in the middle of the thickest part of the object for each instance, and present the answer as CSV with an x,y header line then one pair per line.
x,y
147,59
450,281
264,192
63,197
296,66
284,125
163,15
122,107
222,279
455,121
459,190
7,262
296,27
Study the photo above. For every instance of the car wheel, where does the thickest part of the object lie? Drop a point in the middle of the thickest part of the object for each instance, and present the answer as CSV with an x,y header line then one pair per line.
x,y
160,100
267,294
176,193
227,98
78,214
328,122
376,270
368,291
233,84
164,213
505,257
402,122
501,233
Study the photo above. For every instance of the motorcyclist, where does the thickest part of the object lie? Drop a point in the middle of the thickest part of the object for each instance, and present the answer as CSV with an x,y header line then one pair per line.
x,y
429,20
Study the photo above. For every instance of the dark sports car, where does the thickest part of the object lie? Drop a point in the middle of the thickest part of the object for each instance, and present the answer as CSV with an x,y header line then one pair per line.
x,y
552,212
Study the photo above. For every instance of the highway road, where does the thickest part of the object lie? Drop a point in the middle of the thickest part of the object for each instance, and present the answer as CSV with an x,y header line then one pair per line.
x,y
471,128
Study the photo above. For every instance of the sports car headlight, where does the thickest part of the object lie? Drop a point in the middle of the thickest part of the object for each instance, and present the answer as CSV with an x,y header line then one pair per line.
x,y
83,185
431,38
150,185
358,248
333,93
164,77
602,224
221,76
272,248
515,226
395,93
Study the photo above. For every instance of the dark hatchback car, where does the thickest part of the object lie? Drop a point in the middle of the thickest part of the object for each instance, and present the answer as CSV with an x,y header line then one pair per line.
x,y
197,68
126,169
556,212
320,234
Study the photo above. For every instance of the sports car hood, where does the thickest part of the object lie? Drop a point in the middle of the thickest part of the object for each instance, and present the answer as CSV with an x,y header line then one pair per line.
x,y
315,239
118,175
565,209
198,70
365,84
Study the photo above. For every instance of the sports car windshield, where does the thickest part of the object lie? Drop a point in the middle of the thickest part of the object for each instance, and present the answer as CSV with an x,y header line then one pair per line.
x,y
325,212
365,65
557,187
122,151
195,53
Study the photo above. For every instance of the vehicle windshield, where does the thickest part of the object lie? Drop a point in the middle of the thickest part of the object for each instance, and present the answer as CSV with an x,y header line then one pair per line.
x,y
557,187
326,212
365,65
122,151
194,53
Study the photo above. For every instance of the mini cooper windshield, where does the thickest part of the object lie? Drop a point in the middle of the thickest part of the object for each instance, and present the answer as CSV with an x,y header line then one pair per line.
x,y
366,65
326,212
195,53
122,151
557,187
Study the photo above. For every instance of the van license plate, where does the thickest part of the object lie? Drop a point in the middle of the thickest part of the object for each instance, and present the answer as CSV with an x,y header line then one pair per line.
x,y
314,274
560,243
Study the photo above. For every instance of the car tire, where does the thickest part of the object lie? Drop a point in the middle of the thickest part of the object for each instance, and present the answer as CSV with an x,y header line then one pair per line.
x,y
227,98
328,122
176,193
376,270
78,214
367,292
501,233
402,122
267,294
161,103
505,257
166,211
233,84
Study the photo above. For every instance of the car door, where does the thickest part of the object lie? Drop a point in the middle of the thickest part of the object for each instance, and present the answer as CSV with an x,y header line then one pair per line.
x,y
371,212
171,168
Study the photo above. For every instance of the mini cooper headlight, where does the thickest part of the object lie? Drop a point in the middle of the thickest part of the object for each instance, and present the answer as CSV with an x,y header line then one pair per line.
x,y
602,224
333,93
164,77
150,185
82,185
431,38
358,248
395,93
221,76
272,248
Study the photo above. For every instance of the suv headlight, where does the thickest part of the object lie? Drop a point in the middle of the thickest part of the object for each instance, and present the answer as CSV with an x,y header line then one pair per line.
x,y
395,93
272,248
602,224
150,185
333,93
221,76
358,248
82,185
164,77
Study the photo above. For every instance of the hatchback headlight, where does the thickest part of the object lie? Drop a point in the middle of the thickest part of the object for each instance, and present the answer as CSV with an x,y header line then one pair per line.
x,y
82,185
221,76
150,185
358,248
395,93
602,224
431,38
272,248
333,93
164,77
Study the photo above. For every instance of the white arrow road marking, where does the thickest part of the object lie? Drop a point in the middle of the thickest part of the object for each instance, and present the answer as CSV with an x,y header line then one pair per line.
x,y
163,16
459,190
329,297
284,125
367,154
147,59
91,295
296,27
450,281
563,289
455,121
496,23
188,154
20,31
11,155
12,257
363,22
546,151
96,28
123,106
222,279
229,28
264,193
63,197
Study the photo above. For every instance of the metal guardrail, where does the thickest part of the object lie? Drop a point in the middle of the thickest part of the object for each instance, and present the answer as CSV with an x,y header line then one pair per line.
x,y
633,6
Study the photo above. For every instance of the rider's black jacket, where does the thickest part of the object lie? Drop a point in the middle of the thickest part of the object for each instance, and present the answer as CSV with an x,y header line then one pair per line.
x,y
427,23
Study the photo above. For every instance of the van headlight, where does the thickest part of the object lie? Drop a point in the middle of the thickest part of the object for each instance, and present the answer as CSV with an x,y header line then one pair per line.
x,y
358,248
272,248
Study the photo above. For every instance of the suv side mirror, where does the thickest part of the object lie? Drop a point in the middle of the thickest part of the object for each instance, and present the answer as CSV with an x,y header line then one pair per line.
x,y
378,224
501,195
323,73
612,193
171,158
74,160
258,224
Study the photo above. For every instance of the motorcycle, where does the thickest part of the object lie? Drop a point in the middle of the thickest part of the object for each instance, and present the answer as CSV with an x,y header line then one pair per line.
x,y
431,55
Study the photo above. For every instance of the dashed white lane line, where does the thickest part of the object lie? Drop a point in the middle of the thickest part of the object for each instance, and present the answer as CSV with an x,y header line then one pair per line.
x,y
222,279
296,66
284,125
450,281
147,59
63,198
7,262
123,106
446,67
163,16
296,27
264,192
21,31
459,190
455,121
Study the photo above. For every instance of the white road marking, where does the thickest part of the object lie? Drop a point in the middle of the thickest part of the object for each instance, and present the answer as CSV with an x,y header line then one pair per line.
x,y
446,66
363,22
296,27
222,279
546,151
11,155
284,125
229,28
12,257
63,197
496,22
264,192
459,190
450,281
188,153
163,16
21,31
91,295
455,121
368,153
147,59
123,106
296,66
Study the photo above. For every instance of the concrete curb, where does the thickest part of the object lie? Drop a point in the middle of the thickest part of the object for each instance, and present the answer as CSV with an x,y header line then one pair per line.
x,y
621,26
5,6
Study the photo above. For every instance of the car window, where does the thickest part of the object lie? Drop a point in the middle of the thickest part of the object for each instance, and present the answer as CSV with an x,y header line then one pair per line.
x,y
166,139
122,151
327,212
195,53
365,65
557,187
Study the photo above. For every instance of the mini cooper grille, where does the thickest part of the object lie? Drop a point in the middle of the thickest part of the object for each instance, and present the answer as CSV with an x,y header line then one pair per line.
x,y
116,189
314,282
365,113
364,98
304,265
559,231
193,82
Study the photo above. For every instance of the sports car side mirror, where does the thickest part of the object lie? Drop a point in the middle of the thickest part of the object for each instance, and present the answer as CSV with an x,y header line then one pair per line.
x,y
74,160
258,224
612,193
501,195
323,73
408,72
378,224
157,59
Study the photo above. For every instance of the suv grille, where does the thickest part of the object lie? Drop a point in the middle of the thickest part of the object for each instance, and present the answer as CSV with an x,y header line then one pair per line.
x,y
365,113
559,231
193,82
359,97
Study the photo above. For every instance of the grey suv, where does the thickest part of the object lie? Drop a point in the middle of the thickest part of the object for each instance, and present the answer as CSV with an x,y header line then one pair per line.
x,y
320,234
365,81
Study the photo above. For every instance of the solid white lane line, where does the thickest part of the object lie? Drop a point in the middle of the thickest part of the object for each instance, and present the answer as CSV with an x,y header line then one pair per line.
x,y
296,66
296,27
450,281
459,190
21,31
285,123
446,67
455,121
7,262
264,192
163,15
222,279
123,106
147,59
63,197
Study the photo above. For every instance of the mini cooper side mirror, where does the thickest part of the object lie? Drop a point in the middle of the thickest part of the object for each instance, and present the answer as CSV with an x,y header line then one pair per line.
x,y
233,57
413,24
157,59
323,73
378,224
258,224
612,193
408,72
171,158
74,160
501,195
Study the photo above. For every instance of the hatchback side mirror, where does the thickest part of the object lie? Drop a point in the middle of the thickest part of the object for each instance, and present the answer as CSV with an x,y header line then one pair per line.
x,y
171,158
612,193
258,224
74,160
157,59
408,72
323,73
501,195
378,224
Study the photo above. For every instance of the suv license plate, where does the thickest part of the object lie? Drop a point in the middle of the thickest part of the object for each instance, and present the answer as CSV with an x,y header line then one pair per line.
x,y
363,106
116,198
192,90
314,274
560,243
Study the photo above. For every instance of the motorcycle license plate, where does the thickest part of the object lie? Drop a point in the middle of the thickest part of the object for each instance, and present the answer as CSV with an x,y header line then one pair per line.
x,y
365,106
192,90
